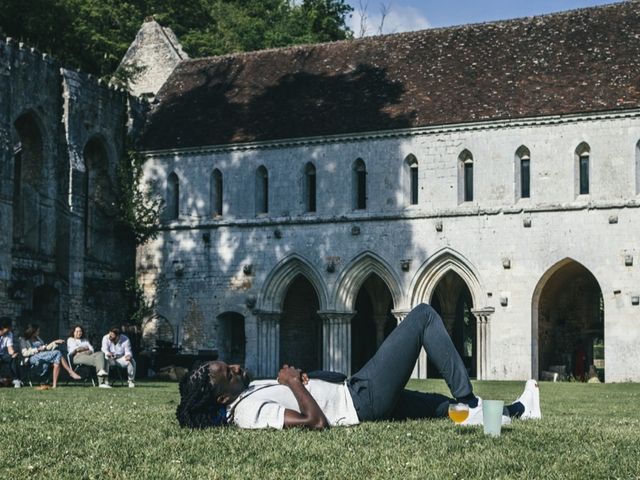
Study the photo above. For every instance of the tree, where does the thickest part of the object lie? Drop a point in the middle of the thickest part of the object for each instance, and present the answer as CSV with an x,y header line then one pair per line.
x,y
95,34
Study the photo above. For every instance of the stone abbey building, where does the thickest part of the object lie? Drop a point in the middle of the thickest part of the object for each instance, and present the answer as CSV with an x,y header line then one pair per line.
x,y
315,194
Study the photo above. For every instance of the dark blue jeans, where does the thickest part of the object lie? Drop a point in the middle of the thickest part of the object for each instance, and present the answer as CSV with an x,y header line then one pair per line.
x,y
12,362
378,388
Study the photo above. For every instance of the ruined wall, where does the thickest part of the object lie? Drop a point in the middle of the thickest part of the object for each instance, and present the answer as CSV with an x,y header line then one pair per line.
x,y
48,116
501,246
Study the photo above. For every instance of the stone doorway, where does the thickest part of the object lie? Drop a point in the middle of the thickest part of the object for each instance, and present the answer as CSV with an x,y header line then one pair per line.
x,y
232,338
301,327
373,320
452,300
570,323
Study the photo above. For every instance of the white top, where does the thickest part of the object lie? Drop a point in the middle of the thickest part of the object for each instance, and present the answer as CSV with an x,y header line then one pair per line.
x,y
265,408
6,341
73,344
119,349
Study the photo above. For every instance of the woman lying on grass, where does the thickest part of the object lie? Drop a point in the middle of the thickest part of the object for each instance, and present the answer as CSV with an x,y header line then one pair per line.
x,y
218,394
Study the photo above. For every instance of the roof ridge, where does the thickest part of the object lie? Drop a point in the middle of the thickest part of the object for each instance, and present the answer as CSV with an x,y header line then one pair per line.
x,y
384,37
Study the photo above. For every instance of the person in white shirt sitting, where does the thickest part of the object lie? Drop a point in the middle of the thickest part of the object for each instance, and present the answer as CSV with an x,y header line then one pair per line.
x,y
40,355
8,354
81,352
117,350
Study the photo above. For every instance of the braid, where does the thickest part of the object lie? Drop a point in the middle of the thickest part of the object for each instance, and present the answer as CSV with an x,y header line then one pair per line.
x,y
198,406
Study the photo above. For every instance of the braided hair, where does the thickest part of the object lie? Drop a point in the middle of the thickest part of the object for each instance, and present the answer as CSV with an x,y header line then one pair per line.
x,y
198,406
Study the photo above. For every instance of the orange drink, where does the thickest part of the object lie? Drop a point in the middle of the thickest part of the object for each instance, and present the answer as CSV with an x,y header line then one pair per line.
x,y
458,412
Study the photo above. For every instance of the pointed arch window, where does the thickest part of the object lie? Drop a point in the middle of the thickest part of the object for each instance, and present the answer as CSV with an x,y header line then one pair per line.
x,y
583,168
310,187
98,194
523,173
360,184
465,177
216,193
262,190
173,197
411,163
28,186
638,168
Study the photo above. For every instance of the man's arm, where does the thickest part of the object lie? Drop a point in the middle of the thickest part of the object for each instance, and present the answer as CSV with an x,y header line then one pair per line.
x,y
105,346
310,415
126,345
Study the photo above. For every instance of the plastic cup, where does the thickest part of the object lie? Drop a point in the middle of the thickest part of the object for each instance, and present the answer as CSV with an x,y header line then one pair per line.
x,y
492,417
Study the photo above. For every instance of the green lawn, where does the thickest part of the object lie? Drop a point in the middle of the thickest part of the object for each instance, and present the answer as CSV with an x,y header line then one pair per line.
x,y
588,431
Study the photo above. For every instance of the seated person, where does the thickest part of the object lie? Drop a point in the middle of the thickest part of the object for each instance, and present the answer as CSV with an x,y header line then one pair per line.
x,y
219,394
40,355
117,350
8,355
81,353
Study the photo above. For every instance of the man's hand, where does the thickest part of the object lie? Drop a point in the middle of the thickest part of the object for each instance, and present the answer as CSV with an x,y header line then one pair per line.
x,y
127,358
289,375
59,341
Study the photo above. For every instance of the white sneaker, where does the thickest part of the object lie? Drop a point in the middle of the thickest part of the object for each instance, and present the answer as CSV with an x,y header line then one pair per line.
x,y
104,385
131,384
17,383
530,398
102,373
476,417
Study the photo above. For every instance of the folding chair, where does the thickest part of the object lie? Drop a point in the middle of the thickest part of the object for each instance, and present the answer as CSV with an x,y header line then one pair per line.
x,y
87,372
29,375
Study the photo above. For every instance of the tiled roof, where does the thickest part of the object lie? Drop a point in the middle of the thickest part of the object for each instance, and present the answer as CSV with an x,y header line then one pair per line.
x,y
578,61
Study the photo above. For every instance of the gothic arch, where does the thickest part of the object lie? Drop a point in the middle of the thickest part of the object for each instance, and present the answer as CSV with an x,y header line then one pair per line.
x,y
101,140
435,267
354,275
535,305
278,281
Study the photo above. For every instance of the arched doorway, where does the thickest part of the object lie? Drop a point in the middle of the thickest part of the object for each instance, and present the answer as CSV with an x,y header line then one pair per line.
x,y
373,320
300,326
232,343
569,316
452,300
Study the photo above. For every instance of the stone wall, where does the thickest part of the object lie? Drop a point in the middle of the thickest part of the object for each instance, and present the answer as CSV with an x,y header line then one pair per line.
x,y
49,116
504,248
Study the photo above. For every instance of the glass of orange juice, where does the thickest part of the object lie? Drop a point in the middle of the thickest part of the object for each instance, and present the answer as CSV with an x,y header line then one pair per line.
x,y
458,412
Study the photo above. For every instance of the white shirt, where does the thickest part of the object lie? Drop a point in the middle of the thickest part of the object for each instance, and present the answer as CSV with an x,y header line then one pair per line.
x,y
73,344
120,349
263,404
6,341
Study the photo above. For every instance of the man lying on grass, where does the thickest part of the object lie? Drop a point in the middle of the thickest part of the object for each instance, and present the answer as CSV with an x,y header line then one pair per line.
x,y
218,394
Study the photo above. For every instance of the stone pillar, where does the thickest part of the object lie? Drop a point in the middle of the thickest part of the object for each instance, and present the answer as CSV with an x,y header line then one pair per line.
x,y
482,342
336,341
420,369
268,344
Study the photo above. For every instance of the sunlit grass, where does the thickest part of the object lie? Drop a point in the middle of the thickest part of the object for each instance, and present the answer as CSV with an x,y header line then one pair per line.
x,y
588,431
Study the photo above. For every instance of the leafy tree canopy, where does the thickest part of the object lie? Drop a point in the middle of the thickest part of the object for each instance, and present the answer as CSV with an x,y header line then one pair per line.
x,y
95,34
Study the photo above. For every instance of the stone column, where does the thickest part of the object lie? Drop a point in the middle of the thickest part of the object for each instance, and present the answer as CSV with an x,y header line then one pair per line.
x,y
482,342
268,344
420,369
336,341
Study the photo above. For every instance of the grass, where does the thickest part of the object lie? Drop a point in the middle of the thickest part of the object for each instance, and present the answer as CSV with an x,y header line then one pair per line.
x,y
588,431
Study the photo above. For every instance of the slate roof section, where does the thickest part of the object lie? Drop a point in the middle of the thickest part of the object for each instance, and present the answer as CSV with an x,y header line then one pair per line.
x,y
583,60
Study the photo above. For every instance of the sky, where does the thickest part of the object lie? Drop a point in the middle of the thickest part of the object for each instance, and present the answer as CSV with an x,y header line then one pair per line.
x,y
407,15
